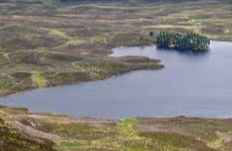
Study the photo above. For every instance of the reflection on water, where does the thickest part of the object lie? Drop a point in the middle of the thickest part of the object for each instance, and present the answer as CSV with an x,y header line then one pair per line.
x,y
194,84
194,53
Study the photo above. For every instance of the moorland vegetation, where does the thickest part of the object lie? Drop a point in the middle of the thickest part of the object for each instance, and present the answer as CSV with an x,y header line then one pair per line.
x,y
48,42
23,131
44,43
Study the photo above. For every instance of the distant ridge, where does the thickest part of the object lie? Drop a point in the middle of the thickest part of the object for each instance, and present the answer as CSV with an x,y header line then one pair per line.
x,y
125,1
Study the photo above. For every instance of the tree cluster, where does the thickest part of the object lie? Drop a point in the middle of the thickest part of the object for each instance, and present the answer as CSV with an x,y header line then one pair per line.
x,y
191,41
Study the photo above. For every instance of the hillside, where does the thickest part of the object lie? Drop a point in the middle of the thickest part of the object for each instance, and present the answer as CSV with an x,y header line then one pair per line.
x,y
23,131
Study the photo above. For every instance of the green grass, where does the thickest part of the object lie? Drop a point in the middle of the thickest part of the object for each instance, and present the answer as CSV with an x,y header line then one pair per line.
x,y
99,69
38,79
73,42
74,144
74,131
218,143
6,85
58,33
98,39
65,144
50,2
126,129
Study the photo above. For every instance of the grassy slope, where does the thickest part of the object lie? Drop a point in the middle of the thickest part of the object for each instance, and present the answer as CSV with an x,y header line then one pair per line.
x,y
134,134
12,140
43,44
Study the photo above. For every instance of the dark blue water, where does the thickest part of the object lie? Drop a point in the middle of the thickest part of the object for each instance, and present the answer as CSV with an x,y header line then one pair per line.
x,y
190,84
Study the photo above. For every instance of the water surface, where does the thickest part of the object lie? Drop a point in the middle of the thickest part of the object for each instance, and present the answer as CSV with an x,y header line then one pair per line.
x,y
190,84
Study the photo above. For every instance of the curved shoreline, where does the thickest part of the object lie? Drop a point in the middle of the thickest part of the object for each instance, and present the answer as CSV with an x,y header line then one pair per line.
x,y
154,66
110,94
78,82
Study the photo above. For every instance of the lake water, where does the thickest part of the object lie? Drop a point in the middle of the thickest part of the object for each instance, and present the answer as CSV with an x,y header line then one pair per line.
x,y
190,84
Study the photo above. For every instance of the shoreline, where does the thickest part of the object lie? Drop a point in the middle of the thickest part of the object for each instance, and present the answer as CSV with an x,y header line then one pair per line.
x,y
66,83
209,117
156,66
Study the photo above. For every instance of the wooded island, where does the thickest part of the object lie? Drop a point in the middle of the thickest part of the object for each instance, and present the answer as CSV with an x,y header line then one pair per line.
x,y
191,41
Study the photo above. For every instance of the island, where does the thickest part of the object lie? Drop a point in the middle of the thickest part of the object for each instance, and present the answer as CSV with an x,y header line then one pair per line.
x,y
174,40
